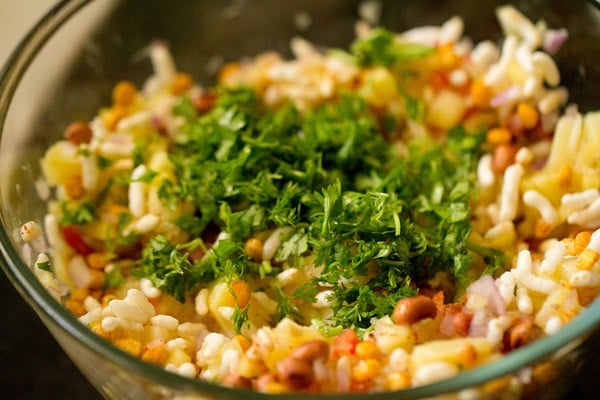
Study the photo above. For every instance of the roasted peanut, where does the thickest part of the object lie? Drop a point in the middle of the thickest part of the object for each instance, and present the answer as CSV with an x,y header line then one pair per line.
x,y
412,309
310,351
78,133
205,102
504,155
297,374
514,125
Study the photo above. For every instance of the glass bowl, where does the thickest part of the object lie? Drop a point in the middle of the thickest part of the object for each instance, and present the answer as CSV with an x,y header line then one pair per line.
x,y
65,67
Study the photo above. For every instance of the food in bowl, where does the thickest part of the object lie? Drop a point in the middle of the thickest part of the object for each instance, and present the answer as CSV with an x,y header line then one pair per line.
x,y
346,221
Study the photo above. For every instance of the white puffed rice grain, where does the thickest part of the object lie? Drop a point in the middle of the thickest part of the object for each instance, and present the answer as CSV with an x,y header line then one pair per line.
x,y
434,372
54,235
485,174
509,196
91,316
145,223
533,282
594,243
225,311
585,279
166,321
137,192
287,276
553,325
90,303
90,173
148,289
323,299
484,54
552,100
546,65
496,328
506,286
524,303
134,121
163,65
580,200
588,217
451,30
201,301
535,199
514,23
177,343
552,257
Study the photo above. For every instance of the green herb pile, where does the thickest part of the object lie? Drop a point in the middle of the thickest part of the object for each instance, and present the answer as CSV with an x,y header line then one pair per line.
x,y
376,223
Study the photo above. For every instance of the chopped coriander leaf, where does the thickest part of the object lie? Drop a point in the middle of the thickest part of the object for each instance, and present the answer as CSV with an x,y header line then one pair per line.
x,y
327,328
147,176
185,108
113,279
45,266
104,162
239,318
285,305
138,152
77,214
381,47
118,236
376,223
293,247
84,151
169,269
414,108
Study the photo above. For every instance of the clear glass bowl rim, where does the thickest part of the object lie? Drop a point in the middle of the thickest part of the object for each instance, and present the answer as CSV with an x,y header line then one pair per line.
x,y
46,306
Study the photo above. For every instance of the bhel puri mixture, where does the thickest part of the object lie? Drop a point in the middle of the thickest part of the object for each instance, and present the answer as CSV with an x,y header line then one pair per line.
x,y
359,220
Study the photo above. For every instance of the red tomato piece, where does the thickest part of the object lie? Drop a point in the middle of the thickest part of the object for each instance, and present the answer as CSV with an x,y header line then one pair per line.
x,y
74,239
345,344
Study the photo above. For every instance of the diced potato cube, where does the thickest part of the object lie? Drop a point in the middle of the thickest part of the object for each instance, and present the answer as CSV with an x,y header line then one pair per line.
x,y
449,350
446,110
60,164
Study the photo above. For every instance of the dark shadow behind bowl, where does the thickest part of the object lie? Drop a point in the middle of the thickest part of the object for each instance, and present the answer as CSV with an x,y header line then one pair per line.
x,y
65,70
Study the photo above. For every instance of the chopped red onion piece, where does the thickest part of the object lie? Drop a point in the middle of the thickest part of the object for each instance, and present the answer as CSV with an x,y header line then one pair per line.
x,y
507,96
554,39
479,323
486,287
447,324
